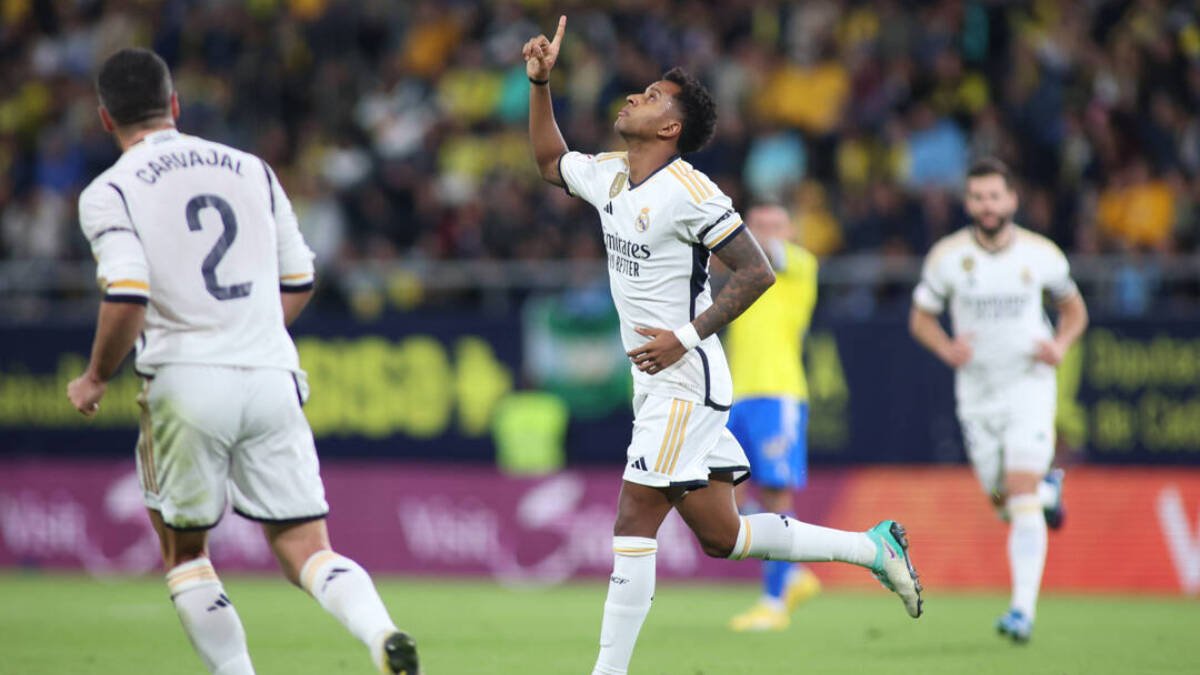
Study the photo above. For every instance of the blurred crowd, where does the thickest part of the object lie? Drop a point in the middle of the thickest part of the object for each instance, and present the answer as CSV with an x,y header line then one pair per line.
x,y
399,128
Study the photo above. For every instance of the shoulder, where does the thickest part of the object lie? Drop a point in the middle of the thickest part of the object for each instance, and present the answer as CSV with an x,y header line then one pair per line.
x,y
103,192
688,182
222,148
948,245
597,167
1038,244
620,159
102,207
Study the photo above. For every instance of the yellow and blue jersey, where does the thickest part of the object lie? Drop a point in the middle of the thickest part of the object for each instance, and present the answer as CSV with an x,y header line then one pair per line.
x,y
765,342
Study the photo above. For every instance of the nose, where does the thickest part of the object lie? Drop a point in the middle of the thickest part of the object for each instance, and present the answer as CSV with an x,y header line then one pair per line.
x,y
631,99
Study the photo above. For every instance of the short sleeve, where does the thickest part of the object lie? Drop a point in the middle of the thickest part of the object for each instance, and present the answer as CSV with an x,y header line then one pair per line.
x,y
1058,276
121,268
296,270
582,176
713,222
933,290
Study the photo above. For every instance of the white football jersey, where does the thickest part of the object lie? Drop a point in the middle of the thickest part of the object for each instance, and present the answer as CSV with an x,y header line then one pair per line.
x,y
659,235
203,234
996,298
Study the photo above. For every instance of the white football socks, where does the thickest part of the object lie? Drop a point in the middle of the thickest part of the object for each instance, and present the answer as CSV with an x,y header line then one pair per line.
x,y
630,592
1026,550
770,536
208,618
345,590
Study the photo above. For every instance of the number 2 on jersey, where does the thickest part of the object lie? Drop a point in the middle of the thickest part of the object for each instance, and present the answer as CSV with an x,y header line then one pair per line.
x,y
209,267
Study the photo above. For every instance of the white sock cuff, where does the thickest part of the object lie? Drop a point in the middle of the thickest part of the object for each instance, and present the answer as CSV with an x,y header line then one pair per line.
x,y
741,547
635,547
191,574
316,564
1018,505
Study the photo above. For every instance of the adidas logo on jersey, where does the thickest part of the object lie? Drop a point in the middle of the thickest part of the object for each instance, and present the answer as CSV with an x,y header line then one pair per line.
x,y
640,464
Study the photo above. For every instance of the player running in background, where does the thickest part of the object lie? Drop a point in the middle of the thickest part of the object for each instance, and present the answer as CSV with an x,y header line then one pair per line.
x,y
992,276
769,417
202,265
661,221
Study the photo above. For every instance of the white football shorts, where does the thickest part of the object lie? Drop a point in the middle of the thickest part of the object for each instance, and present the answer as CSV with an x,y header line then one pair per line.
x,y
1012,430
678,443
214,433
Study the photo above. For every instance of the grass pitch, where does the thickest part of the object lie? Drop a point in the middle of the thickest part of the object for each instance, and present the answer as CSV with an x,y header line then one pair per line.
x,y
60,624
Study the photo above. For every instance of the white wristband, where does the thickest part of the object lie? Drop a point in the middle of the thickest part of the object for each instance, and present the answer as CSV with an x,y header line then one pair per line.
x,y
688,337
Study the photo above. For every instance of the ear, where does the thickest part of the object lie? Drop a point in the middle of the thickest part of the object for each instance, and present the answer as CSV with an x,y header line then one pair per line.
x,y
174,105
106,120
670,129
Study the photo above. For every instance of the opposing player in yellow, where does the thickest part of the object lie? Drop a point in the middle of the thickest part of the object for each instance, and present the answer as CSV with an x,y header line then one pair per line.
x,y
203,266
661,221
769,416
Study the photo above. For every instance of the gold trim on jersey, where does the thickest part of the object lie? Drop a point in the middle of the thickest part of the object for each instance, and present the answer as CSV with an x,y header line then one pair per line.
x,y
129,283
605,156
725,235
688,177
296,277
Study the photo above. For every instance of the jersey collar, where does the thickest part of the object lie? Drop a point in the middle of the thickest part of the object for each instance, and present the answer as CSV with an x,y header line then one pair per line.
x,y
156,137
669,162
1012,239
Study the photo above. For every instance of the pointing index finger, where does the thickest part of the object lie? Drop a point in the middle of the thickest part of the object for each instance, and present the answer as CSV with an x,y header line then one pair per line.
x,y
558,35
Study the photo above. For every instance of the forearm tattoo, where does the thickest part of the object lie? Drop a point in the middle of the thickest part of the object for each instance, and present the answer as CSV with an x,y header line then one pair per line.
x,y
750,275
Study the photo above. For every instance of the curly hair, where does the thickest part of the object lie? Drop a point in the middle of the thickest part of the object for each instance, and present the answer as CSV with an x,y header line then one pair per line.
x,y
699,111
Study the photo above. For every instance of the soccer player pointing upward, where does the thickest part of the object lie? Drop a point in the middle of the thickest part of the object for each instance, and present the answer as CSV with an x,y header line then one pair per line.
x,y
661,221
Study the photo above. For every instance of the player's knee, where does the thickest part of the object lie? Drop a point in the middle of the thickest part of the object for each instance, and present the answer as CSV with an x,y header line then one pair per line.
x,y
632,524
1020,483
717,544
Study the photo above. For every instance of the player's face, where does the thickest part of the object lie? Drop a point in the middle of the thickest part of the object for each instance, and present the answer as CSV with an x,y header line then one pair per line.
x,y
648,114
768,223
990,202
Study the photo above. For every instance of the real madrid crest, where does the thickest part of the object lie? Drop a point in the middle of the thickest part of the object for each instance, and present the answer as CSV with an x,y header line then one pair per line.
x,y
1026,276
643,220
618,184
968,264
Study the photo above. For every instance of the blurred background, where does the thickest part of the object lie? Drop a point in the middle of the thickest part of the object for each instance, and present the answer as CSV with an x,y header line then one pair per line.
x,y
462,345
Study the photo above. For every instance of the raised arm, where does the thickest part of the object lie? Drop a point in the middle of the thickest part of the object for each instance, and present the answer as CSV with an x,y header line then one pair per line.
x,y
548,145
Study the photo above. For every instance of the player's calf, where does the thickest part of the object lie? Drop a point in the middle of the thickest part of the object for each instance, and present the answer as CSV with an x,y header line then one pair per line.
x,y
345,590
208,617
